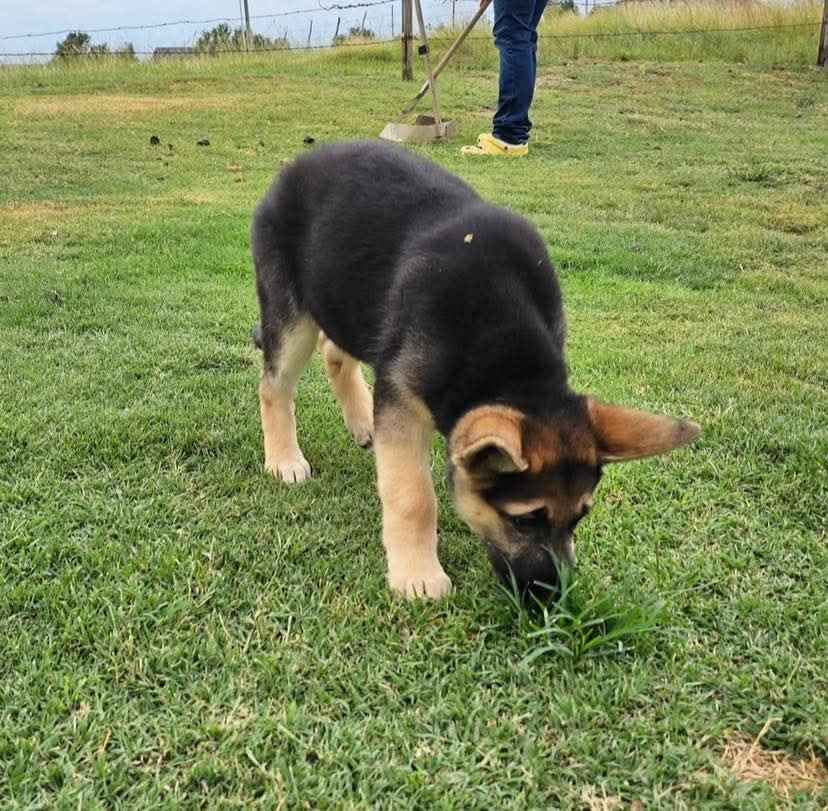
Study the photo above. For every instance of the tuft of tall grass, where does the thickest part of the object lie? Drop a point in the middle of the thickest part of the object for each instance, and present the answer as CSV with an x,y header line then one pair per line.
x,y
580,622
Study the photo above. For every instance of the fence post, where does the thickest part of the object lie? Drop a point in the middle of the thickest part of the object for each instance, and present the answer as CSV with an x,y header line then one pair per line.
x,y
407,40
336,33
310,31
248,31
822,56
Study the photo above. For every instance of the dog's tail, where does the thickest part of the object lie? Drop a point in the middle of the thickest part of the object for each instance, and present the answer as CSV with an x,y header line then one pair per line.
x,y
256,335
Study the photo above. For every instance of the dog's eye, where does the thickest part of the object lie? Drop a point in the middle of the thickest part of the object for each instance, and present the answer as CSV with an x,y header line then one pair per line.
x,y
536,518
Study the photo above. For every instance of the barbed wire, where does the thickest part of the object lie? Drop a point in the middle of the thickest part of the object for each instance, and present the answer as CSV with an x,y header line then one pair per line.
x,y
376,42
251,52
278,14
602,34
325,32
171,23
356,5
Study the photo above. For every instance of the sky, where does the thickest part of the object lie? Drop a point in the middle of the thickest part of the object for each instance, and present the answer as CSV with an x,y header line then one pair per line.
x,y
294,20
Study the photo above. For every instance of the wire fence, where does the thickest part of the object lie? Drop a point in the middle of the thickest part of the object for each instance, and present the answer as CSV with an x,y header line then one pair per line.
x,y
210,21
377,42
296,39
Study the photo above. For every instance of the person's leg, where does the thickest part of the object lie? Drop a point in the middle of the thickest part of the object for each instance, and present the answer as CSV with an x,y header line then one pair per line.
x,y
540,7
514,32
516,38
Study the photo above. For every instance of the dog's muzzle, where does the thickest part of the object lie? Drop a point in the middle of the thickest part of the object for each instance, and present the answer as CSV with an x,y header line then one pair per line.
x,y
563,551
533,569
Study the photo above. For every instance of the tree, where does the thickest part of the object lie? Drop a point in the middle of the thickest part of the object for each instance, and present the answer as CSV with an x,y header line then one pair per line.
x,y
79,43
216,39
355,34
222,38
74,43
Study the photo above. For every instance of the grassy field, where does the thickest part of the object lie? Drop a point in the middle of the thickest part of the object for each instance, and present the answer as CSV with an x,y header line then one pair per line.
x,y
181,632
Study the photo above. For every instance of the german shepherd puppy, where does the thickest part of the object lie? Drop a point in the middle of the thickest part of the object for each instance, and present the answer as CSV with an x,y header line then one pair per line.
x,y
378,256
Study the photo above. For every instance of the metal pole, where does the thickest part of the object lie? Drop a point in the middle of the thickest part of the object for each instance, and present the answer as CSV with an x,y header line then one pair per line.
x,y
481,10
435,103
407,40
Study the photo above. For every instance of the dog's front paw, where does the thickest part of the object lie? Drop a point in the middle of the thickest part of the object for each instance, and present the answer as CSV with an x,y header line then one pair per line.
x,y
430,585
291,471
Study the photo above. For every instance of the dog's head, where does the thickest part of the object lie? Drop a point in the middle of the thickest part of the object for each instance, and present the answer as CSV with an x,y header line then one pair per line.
x,y
523,483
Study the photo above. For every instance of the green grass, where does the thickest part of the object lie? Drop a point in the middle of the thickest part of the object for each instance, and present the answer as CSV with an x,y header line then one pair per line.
x,y
179,631
569,620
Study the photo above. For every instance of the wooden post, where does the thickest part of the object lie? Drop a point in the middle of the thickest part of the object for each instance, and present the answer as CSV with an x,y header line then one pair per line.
x,y
336,33
310,31
362,26
247,29
392,21
407,40
822,56
245,33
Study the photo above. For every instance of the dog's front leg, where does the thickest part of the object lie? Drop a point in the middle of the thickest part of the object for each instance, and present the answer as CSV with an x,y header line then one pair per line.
x,y
402,444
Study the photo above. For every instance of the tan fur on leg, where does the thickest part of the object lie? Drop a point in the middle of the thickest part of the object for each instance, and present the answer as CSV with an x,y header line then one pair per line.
x,y
350,390
283,457
409,508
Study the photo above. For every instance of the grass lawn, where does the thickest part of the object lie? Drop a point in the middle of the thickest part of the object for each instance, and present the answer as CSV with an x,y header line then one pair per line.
x,y
180,631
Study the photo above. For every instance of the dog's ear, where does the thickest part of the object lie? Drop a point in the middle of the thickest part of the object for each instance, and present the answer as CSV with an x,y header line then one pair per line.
x,y
623,434
488,440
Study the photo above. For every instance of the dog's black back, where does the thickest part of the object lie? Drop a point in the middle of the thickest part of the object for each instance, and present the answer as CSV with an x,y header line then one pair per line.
x,y
402,264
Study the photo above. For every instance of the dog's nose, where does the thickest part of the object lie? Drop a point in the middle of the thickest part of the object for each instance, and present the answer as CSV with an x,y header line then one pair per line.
x,y
533,571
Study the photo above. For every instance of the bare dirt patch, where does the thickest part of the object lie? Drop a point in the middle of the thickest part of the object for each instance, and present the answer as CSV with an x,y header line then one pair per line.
x,y
749,762
47,221
42,211
595,800
117,106
555,79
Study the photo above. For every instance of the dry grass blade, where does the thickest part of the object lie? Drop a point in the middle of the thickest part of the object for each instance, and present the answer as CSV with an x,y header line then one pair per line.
x,y
785,774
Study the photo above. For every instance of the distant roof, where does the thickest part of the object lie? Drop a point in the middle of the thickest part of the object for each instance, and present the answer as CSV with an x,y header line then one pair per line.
x,y
161,52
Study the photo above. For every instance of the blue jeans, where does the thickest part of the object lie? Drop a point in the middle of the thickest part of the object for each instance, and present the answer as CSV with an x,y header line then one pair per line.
x,y
516,37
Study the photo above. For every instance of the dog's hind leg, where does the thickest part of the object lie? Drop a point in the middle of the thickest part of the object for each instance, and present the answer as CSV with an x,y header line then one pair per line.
x,y
350,389
287,334
286,355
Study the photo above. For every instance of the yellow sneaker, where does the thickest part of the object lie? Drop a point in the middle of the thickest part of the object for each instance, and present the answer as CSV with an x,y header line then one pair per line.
x,y
488,145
